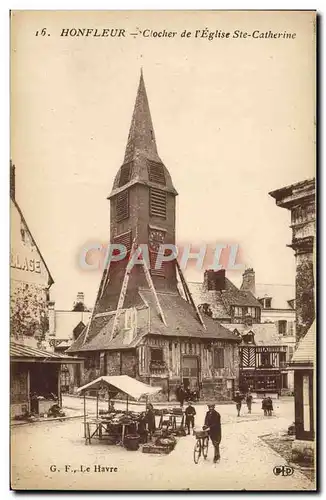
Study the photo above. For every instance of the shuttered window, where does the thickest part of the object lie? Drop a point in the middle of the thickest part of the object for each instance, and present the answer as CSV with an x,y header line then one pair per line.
x,y
153,259
218,357
125,173
157,203
122,206
124,239
156,172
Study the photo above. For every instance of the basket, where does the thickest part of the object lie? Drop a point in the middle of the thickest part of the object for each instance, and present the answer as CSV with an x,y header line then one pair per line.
x,y
131,442
201,434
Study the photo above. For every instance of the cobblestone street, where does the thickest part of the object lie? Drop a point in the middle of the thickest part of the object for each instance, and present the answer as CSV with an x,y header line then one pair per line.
x,y
246,461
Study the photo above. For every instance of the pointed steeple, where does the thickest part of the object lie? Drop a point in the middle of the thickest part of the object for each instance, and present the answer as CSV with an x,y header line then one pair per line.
x,y
141,137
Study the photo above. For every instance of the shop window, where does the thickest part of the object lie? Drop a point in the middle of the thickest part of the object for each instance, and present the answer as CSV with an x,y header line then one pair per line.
x,y
122,206
282,327
218,357
157,359
157,203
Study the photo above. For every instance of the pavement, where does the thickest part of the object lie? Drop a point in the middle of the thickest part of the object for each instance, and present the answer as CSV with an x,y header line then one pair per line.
x,y
247,463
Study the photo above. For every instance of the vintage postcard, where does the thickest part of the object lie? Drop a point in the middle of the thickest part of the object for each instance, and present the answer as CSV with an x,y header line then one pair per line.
x,y
162,191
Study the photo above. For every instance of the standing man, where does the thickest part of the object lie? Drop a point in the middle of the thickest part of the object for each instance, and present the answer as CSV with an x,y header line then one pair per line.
x,y
150,419
182,395
213,422
190,413
238,400
249,401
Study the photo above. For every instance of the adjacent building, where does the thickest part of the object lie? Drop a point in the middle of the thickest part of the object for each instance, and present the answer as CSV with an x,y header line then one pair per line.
x,y
264,323
299,199
34,367
65,326
140,325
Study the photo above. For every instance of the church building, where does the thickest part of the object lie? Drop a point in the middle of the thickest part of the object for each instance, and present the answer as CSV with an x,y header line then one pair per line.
x,y
140,325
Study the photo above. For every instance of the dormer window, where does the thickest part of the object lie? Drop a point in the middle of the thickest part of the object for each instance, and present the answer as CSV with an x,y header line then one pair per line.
x,y
268,303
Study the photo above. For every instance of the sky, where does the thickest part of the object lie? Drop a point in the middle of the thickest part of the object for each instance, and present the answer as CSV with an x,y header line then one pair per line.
x,y
233,119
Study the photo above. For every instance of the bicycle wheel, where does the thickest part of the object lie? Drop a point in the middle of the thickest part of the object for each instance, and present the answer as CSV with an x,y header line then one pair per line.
x,y
197,451
205,447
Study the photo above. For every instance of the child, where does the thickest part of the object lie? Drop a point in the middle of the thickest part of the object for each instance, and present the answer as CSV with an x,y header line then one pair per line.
x,y
190,413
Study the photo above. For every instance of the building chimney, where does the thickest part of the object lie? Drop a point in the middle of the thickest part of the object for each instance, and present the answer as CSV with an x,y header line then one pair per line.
x,y
12,180
214,280
51,318
80,297
248,281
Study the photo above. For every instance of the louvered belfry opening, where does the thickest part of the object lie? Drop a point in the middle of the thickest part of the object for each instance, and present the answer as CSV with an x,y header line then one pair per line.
x,y
157,202
155,272
122,205
156,172
123,239
125,173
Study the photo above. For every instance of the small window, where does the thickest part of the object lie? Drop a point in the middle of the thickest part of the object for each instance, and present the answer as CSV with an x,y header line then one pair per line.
x,y
157,203
218,357
122,206
157,355
268,303
156,172
265,359
282,327
125,173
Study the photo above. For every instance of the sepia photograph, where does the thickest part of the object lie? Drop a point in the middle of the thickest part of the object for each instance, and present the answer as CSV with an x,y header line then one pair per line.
x,y
163,250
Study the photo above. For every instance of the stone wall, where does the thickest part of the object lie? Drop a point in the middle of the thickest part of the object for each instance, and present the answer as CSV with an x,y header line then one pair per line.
x,y
305,307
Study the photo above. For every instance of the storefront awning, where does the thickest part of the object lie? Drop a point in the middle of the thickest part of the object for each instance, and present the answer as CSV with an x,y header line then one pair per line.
x,y
22,353
121,383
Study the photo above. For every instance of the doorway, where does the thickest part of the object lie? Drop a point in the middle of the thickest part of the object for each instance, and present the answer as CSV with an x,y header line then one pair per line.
x,y
190,372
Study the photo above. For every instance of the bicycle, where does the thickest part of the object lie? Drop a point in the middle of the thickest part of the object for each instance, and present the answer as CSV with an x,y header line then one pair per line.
x,y
201,446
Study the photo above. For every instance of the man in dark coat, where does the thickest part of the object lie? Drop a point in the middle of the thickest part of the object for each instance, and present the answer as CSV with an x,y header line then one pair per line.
x,y
190,413
150,419
238,400
182,395
213,422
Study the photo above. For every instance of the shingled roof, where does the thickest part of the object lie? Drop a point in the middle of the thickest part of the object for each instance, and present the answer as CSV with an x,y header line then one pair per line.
x,y
141,151
264,333
179,315
221,301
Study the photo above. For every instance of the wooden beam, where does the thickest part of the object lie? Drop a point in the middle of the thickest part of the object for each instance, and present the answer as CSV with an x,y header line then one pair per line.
x,y
187,291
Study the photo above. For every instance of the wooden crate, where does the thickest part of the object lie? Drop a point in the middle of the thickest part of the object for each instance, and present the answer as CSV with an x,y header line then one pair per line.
x,y
157,450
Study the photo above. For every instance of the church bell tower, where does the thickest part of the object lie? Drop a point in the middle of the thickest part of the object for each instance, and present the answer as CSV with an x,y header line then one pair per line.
x,y
142,209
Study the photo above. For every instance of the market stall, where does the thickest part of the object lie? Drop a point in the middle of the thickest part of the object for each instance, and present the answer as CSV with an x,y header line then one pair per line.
x,y
118,427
